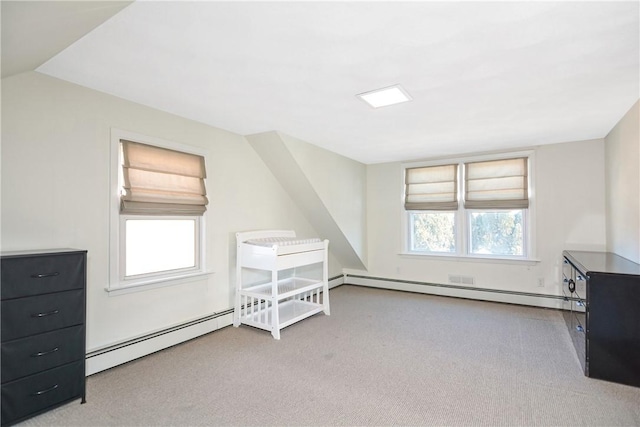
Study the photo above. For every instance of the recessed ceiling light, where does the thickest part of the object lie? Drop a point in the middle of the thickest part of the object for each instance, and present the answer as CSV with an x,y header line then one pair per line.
x,y
386,96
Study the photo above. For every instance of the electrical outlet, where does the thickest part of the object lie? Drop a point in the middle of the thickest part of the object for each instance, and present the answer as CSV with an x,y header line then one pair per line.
x,y
541,282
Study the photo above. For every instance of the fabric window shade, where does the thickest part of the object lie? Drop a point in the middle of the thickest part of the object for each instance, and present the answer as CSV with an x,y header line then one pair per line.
x,y
497,184
431,188
159,181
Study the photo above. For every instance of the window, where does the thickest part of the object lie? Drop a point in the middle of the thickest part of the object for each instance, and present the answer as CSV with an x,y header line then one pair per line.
x,y
158,207
474,208
155,245
496,232
433,232
431,197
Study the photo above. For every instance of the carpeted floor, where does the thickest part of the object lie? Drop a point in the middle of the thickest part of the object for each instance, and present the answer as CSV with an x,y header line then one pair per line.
x,y
381,358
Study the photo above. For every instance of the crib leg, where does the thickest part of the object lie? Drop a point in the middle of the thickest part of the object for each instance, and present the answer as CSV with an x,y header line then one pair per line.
x,y
276,333
326,310
236,311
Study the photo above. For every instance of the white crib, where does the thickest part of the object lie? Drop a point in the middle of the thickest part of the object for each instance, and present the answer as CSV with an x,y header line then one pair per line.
x,y
289,293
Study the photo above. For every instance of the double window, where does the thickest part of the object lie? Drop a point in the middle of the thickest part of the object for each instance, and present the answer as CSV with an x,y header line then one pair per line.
x,y
159,205
469,208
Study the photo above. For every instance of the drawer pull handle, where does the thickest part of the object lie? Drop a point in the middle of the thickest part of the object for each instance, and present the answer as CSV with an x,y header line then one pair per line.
x,y
579,328
50,313
41,392
44,353
42,276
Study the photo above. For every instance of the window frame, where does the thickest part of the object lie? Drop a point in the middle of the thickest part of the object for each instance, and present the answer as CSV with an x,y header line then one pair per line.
x,y
146,276
525,236
463,215
118,282
410,237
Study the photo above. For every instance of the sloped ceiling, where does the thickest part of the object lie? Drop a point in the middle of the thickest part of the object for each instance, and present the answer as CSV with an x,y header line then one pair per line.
x,y
35,31
483,75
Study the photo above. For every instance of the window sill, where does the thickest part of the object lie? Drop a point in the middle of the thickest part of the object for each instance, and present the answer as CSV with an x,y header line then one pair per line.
x,y
457,258
148,284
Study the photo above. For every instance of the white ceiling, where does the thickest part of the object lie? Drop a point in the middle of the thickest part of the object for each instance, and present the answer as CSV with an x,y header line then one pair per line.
x,y
483,75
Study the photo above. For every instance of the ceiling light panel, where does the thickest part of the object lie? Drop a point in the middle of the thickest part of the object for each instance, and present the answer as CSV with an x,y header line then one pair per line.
x,y
386,96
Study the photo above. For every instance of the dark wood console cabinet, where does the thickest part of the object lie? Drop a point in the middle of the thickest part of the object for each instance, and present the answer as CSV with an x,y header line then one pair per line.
x,y
603,317
43,301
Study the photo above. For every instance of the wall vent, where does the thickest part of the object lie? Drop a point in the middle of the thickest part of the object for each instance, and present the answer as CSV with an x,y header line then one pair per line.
x,y
464,280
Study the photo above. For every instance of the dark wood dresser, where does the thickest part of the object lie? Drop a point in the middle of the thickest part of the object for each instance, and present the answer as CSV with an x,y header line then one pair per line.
x,y
603,317
43,331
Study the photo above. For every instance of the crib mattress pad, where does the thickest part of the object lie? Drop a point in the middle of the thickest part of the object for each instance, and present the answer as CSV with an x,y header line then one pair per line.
x,y
281,241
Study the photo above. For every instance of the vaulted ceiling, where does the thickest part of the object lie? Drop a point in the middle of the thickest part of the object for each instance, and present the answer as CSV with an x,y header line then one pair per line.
x,y
482,75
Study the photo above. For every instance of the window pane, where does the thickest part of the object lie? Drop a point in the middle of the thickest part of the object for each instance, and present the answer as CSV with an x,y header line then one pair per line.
x,y
496,233
433,231
155,245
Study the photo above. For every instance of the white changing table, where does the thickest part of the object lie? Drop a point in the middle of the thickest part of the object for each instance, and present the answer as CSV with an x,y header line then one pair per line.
x,y
287,296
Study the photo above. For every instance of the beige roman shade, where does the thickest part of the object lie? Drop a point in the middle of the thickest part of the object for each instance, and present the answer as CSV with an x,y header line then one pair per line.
x,y
159,181
431,188
496,184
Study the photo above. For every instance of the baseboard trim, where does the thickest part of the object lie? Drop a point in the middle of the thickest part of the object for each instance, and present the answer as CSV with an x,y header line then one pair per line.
x,y
108,357
336,281
484,294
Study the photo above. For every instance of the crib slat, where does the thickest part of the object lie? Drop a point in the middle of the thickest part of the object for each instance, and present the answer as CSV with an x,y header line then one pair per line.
x,y
268,309
244,306
265,312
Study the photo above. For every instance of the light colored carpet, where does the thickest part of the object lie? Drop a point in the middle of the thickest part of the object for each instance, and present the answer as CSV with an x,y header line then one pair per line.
x,y
381,358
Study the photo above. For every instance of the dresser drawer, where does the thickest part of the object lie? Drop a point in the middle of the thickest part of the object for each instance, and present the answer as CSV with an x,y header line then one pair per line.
x,y
26,356
579,338
26,276
41,391
22,317
581,286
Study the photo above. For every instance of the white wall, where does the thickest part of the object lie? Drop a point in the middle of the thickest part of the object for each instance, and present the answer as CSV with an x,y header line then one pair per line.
x,y
276,154
55,193
622,163
341,184
569,214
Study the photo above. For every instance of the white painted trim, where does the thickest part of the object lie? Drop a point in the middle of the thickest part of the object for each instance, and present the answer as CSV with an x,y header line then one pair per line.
x,y
116,282
335,282
109,358
158,283
462,214
118,134
482,295
470,258
164,275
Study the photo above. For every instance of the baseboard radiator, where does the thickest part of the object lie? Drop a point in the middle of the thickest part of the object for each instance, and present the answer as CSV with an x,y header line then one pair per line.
x,y
123,352
458,291
336,281
110,356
